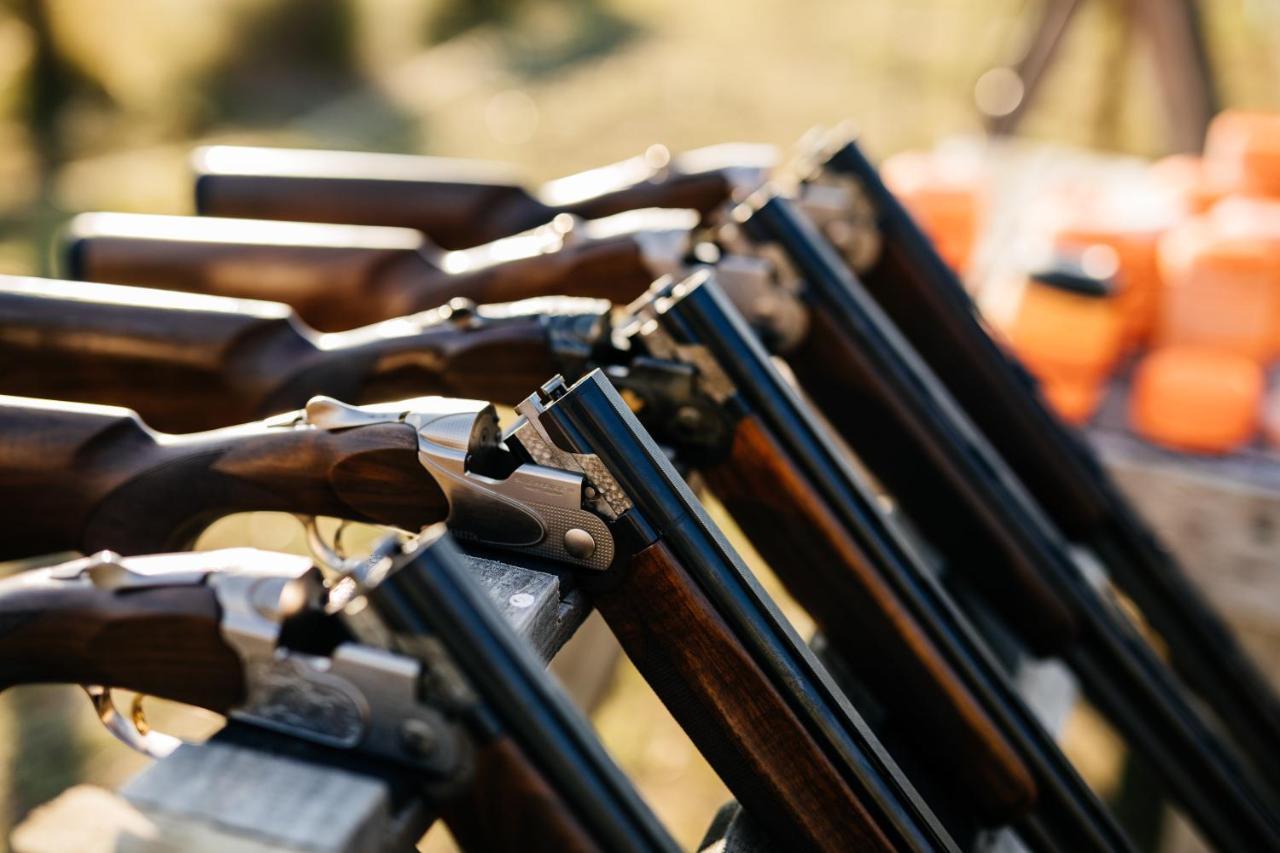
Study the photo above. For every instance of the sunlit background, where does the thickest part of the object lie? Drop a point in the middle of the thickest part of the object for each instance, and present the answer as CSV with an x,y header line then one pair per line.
x,y
101,102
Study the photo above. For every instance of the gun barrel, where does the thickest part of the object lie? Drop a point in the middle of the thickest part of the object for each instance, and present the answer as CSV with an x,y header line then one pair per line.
x,y
591,418
1208,779
703,316
929,305
568,786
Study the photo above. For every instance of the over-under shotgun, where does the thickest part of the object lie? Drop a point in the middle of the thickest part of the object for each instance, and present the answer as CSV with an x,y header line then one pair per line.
x,y
917,440
846,336
576,481
926,301
841,190
340,277
699,382
512,765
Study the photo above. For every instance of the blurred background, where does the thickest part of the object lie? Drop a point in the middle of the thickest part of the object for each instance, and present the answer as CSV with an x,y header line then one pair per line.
x,y
100,104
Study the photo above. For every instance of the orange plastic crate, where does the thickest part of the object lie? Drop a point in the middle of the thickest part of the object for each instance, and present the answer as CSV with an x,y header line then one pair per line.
x,y
1242,152
1186,178
1196,399
1221,289
1069,331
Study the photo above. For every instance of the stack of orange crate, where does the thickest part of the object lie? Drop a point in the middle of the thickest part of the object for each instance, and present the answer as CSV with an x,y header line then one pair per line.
x,y
1183,306
1173,283
1145,298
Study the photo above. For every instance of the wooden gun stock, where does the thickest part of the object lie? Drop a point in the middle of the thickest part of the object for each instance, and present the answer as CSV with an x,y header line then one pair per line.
x,y
829,575
334,277
88,477
164,641
187,363
445,199
339,277
729,708
508,805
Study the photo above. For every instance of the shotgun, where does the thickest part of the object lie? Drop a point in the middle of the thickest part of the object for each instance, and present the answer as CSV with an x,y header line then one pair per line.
x,y
926,301
884,401
460,203
700,384
427,678
933,468
837,186
339,277
576,481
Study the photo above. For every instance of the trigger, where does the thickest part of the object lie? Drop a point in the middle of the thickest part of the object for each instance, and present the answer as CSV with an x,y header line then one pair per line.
x,y
131,730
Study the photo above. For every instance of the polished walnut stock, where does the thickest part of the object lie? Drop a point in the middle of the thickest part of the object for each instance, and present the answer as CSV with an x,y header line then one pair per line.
x,y
457,203
162,641
79,477
834,580
722,698
189,363
340,277
510,806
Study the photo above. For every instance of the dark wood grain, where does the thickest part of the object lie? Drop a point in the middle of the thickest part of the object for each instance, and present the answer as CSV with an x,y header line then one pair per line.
x,y
454,214
730,709
212,363
606,268
86,478
345,281
866,623
334,286
701,191
162,642
935,494
508,806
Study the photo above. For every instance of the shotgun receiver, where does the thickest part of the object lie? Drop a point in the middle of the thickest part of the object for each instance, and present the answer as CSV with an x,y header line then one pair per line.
x,y
922,296
702,386
427,678
576,481
917,440
460,203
